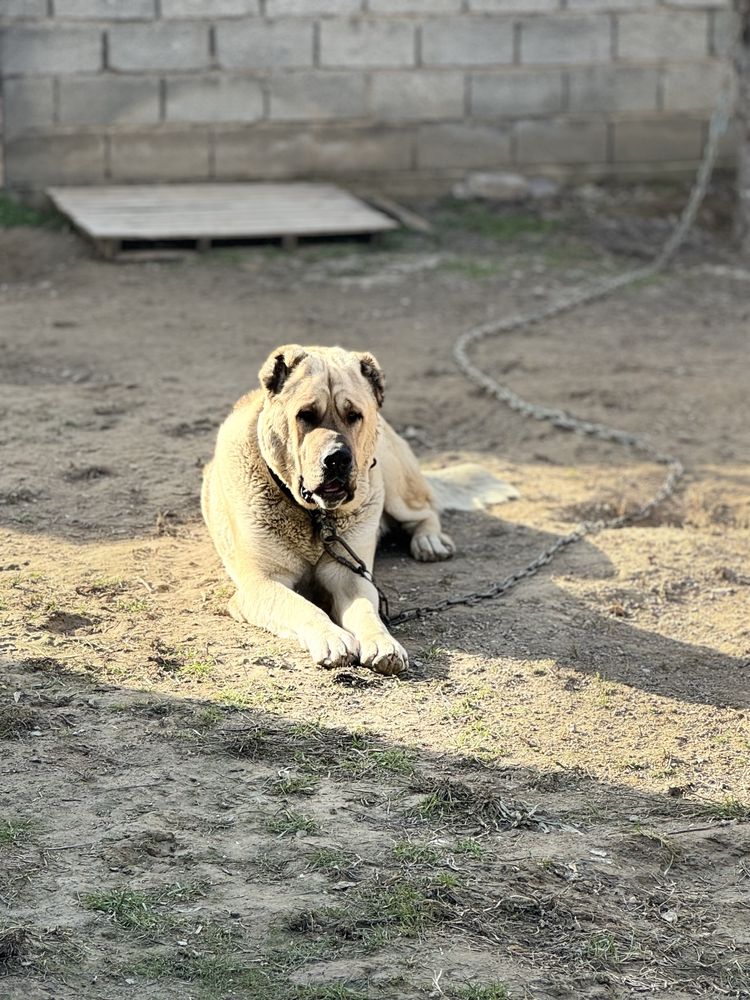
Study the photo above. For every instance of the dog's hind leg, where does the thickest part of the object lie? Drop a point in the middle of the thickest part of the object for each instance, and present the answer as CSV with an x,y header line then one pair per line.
x,y
409,499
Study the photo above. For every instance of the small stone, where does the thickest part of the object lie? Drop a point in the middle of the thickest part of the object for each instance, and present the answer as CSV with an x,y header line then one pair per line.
x,y
543,187
492,187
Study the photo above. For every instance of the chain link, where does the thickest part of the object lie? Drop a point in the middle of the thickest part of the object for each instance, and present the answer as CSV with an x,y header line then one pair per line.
x,y
565,421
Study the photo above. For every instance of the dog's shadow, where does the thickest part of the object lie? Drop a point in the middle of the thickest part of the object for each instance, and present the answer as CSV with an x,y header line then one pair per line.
x,y
612,631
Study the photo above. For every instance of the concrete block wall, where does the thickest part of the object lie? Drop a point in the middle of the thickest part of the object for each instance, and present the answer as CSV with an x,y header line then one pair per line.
x,y
405,94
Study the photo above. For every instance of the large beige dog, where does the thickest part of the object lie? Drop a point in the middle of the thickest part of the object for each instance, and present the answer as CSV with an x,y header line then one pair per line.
x,y
312,440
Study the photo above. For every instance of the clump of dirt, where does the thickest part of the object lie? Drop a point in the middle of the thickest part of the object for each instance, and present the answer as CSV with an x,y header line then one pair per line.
x,y
17,720
478,807
13,942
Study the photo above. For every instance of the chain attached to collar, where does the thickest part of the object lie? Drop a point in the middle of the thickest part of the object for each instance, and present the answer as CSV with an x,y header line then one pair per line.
x,y
330,539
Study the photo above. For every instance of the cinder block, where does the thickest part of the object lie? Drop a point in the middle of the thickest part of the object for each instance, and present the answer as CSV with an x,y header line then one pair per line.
x,y
414,6
22,9
208,8
561,141
721,36
214,99
566,40
702,4
28,103
609,5
467,42
516,94
282,151
419,95
367,43
609,88
158,46
160,156
662,34
316,96
112,10
312,8
513,6
463,145
257,45
662,139
693,86
50,49
108,100
35,161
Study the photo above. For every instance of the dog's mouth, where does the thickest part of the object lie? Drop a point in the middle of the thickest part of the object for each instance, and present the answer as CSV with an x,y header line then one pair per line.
x,y
331,493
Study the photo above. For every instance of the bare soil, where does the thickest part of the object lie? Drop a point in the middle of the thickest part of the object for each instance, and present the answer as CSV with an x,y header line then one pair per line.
x,y
552,803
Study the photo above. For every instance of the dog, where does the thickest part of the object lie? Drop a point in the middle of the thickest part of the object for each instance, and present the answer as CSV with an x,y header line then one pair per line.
x,y
311,443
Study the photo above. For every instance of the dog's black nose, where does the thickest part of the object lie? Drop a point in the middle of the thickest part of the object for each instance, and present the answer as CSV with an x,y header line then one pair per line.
x,y
338,462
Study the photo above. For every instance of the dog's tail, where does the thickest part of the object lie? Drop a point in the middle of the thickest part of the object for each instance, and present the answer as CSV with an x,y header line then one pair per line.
x,y
468,486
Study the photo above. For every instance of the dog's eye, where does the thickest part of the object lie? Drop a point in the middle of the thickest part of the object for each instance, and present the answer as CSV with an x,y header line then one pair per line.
x,y
308,416
353,418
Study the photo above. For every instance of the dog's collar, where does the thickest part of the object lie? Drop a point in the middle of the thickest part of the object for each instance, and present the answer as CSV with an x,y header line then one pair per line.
x,y
288,493
282,486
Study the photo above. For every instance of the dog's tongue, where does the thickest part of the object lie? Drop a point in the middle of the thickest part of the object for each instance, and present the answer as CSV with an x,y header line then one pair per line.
x,y
335,486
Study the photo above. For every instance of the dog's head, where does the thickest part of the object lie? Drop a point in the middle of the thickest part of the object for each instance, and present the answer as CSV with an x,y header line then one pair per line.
x,y
319,423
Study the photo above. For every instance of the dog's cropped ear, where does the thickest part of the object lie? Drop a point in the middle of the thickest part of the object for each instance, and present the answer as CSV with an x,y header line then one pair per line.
x,y
368,365
278,366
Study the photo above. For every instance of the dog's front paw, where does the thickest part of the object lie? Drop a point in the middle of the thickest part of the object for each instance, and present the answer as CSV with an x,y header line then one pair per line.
x,y
383,655
432,548
332,647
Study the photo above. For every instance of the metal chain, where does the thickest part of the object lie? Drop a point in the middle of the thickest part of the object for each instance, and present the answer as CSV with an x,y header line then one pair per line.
x,y
565,421
330,538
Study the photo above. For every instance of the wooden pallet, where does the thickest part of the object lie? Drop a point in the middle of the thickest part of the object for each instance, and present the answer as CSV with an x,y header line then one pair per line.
x,y
202,214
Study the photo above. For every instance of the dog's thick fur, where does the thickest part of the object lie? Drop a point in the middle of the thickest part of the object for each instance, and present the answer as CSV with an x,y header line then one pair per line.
x,y
317,407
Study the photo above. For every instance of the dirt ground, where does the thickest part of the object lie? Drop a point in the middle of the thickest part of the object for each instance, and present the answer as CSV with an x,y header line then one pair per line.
x,y
552,803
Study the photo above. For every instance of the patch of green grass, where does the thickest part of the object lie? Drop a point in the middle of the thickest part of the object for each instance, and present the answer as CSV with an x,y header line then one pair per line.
x,y
601,949
376,913
140,909
214,972
221,972
331,860
232,698
13,830
405,908
13,213
181,662
481,991
360,762
484,220
208,717
416,854
728,808
469,847
289,822
434,653
294,784
136,606
198,666
130,908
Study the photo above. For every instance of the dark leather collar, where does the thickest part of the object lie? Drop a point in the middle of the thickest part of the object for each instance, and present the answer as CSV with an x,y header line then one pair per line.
x,y
282,486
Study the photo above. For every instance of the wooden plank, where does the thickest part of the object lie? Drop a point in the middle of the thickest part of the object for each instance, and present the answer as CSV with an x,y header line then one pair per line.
x,y
404,215
217,211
